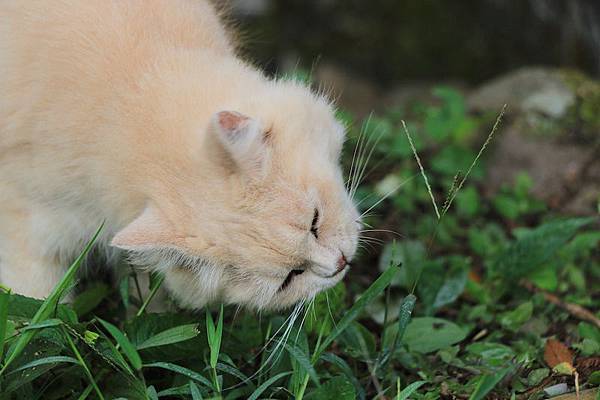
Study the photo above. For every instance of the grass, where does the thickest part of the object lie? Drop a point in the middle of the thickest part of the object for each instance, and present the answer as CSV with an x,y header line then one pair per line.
x,y
446,304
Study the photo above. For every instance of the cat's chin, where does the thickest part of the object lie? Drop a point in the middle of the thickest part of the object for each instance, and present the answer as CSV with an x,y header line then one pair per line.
x,y
304,288
193,291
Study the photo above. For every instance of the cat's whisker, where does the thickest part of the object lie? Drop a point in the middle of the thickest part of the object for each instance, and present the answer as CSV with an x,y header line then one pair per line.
x,y
371,240
363,145
388,194
279,343
307,310
383,231
366,162
354,155
329,309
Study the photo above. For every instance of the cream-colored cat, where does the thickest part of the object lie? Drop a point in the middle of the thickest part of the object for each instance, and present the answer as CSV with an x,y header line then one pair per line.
x,y
139,113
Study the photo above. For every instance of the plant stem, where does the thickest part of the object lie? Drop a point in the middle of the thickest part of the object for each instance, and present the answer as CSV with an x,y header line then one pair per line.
x,y
83,364
150,296
314,359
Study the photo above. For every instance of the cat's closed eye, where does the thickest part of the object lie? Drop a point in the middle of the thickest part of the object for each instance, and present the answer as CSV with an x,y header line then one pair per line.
x,y
314,228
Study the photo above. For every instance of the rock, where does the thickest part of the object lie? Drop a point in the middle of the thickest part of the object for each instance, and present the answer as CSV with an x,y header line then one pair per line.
x,y
545,135
530,89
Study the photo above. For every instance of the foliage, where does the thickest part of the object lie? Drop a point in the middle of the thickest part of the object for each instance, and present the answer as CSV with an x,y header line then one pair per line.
x,y
435,311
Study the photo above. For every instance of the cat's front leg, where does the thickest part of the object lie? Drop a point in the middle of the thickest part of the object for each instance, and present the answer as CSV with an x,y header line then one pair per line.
x,y
27,265
29,275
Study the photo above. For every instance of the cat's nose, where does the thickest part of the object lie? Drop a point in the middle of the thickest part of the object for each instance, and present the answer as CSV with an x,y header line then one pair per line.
x,y
341,264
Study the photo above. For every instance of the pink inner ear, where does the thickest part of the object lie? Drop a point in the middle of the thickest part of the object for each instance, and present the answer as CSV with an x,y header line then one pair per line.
x,y
230,120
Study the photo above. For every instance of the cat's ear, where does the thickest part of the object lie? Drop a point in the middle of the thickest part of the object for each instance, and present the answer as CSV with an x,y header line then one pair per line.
x,y
149,230
242,139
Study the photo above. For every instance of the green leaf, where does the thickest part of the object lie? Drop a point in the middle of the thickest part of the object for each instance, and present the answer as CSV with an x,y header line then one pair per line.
x,y
594,378
129,350
369,295
51,302
410,389
337,388
44,324
47,360
426,335
486,383
343,366
302,359
4,298
536,247
404,315
588,331
467,202
146,326
214,335
170,336
259,390
453,287
536,376
411,254
228,369
196,395
182,371
514,319
406,309
151,393
87,300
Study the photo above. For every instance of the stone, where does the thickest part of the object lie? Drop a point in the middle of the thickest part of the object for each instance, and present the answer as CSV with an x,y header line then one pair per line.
x,y
529,89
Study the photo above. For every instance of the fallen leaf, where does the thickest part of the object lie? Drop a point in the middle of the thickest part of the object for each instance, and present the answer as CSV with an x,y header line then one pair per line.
x,y
557,353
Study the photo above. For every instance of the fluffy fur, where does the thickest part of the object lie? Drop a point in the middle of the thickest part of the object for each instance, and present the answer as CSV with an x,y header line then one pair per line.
x,y
139,113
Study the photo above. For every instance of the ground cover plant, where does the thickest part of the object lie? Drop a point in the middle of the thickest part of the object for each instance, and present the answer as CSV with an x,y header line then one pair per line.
x,y
456,294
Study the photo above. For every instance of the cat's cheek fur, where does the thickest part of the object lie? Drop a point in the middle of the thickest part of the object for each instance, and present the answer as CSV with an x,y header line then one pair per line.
x,y
193,289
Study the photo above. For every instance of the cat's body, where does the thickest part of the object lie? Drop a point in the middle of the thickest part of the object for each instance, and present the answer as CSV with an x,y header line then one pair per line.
x,y
112,111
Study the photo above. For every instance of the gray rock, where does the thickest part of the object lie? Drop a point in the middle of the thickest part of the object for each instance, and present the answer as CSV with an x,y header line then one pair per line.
x,y
530,89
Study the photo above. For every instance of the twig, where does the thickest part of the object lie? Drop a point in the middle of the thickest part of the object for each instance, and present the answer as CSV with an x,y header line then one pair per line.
x,y
574,309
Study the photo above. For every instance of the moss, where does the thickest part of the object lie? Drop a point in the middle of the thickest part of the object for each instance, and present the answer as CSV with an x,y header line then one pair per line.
x,y
584,116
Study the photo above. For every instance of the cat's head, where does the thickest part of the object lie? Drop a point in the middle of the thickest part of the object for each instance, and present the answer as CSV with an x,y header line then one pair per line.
x,y
268,222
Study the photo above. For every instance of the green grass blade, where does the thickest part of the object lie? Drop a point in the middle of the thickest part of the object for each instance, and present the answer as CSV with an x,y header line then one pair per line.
x,y
46,360
83,364
218,337
51,301
196,395
182,371
170,336
4,299
117,355
259,390
151,295
228,369
128,348
369,295
49,323
410,389
151,393
304,362
406,309
214,336
488,382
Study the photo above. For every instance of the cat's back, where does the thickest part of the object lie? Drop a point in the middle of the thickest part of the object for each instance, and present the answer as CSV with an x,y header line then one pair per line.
x,y
50,49
67,71
63,63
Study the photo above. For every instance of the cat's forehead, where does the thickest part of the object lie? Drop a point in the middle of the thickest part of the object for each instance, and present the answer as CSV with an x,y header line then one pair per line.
x,y
305,121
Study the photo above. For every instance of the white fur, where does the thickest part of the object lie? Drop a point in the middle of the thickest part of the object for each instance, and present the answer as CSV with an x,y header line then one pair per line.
x,y
105,115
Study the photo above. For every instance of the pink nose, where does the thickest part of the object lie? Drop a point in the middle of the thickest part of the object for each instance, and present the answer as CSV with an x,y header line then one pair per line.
x,y
341,264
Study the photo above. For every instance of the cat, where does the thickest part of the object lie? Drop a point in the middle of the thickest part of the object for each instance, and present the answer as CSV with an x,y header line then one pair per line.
x,y
141,114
